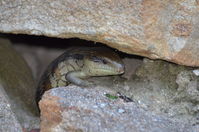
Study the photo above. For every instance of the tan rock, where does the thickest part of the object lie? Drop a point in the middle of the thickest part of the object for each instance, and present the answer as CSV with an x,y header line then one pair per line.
x,y
153,28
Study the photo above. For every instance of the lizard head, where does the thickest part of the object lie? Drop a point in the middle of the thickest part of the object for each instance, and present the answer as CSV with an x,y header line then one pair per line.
x,y
103,62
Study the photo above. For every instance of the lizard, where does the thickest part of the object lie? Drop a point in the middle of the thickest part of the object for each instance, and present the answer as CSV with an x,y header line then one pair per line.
x,y
76,64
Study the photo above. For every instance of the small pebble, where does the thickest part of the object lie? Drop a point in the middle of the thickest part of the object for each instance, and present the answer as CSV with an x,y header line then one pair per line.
x,y
196,72
121,110
102,105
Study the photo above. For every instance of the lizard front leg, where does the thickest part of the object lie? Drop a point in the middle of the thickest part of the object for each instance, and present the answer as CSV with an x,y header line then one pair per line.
x,y
75,77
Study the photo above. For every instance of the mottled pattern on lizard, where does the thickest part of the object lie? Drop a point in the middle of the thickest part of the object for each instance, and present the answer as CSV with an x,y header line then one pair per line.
x,y
78,63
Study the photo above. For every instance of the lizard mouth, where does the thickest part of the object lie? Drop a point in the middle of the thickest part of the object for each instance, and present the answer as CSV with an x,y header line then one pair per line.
x,y
107,71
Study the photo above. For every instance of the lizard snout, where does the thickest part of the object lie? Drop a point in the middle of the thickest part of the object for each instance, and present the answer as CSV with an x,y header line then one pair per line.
x,y
121,69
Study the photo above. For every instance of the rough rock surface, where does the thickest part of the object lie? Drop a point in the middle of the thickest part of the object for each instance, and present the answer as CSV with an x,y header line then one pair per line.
x,y
18,83
8,120
154,28
89,110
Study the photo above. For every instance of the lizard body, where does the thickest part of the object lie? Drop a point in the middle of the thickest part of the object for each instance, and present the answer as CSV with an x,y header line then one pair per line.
x,y
79,63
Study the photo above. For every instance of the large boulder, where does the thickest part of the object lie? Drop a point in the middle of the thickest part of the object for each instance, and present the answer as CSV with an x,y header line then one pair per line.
x,y
153,28
74,109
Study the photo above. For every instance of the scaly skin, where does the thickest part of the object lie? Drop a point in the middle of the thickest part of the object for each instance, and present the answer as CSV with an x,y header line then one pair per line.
x,y
77,64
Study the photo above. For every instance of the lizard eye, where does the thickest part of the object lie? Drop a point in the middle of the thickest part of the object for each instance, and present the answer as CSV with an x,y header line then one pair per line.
x,y
98,60
104,61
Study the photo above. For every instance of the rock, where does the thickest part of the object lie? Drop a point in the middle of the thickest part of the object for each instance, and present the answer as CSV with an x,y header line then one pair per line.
x,y
166,88
35,130
38,58
187,95
131,65
18,83
188,86
29,56
8,120
78,109
153,28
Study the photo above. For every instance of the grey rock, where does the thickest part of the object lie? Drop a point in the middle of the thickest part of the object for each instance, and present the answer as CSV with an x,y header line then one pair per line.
x,y
17,81
8,120
90,110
